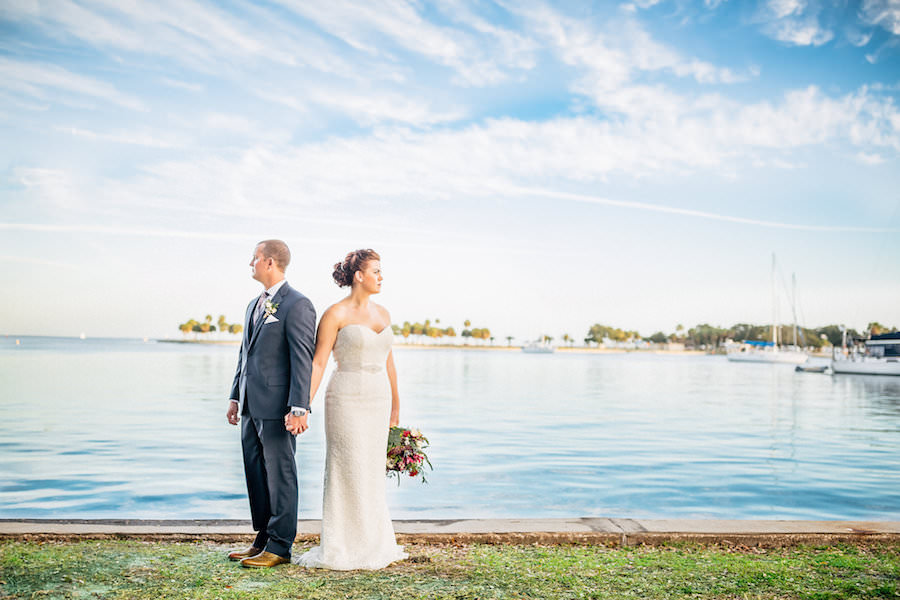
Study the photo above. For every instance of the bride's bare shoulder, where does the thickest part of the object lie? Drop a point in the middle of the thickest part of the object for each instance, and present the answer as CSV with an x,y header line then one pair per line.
x,y
382,312
336,313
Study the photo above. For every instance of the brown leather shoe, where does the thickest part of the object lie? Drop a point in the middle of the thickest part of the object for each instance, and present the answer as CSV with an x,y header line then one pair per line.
x,y
242,554
264,559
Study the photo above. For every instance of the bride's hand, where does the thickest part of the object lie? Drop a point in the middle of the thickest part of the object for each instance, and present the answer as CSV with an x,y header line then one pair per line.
x,y
395,418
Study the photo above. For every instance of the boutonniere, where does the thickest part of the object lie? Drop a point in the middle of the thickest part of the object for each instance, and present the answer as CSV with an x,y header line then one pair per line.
x,y
271,308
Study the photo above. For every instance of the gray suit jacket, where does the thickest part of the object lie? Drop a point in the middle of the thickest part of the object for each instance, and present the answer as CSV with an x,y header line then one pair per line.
x,y
275,363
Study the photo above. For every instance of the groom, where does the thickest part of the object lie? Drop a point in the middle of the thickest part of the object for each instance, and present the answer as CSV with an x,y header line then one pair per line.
x,y
271,389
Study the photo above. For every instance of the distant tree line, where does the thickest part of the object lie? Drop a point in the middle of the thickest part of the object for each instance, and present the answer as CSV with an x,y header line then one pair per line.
x,y
428,329
705,335
205,327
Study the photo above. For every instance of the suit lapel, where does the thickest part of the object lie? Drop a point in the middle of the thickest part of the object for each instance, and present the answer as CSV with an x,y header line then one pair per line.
x,y
247,317
257,329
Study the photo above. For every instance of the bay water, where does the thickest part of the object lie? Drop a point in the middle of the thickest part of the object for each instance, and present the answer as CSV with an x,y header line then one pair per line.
x,y
117,428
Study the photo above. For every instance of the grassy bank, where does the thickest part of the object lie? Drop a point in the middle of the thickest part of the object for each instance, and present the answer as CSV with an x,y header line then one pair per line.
x,y
135,569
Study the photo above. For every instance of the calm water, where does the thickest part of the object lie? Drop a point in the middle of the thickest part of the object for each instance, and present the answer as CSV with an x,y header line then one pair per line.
x,y
123,428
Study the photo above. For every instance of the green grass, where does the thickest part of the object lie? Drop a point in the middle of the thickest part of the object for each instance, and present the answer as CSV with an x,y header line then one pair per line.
x,y
156,570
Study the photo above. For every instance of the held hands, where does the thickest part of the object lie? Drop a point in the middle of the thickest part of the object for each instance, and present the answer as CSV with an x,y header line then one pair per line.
x,y
232,414
395,418
296,425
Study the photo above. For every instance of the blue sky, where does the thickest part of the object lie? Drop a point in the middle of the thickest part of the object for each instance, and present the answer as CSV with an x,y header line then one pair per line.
x,y
534,167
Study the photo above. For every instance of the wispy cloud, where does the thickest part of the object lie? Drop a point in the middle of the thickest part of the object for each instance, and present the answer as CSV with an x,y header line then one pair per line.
x,y
402,166
882,13
378,30
794,22
134,138
33,260
124,231
44,82
870,159
620,52
184,85
643,206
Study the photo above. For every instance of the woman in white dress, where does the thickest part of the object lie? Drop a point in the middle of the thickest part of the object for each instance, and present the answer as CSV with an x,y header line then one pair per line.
x,y
361,403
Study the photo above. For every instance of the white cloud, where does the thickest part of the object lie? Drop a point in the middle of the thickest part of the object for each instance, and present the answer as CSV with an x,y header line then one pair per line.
x,y
786,8
858,38
192,33
135,138
884,13
45,82
501,156
375,29
870,159
799,32
794,22
639,4
184,85
620,52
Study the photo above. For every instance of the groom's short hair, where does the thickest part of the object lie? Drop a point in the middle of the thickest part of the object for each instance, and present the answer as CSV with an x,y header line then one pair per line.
x,y
277,251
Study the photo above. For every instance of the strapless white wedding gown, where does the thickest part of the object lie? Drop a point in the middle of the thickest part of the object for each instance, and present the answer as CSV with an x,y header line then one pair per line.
x,y
357,532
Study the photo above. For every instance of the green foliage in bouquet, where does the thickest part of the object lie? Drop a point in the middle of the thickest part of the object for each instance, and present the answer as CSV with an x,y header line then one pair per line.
x,y
406,453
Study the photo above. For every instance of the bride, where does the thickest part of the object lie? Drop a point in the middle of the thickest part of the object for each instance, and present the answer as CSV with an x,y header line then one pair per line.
x,y
361,403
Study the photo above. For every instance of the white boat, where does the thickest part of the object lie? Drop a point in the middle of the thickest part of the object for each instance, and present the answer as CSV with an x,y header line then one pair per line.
x,y
881,356
770,352
538,347
767,352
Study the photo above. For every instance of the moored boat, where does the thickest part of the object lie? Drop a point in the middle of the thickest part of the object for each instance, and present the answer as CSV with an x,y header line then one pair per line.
x,y
880,355
771,352
538,347
767,352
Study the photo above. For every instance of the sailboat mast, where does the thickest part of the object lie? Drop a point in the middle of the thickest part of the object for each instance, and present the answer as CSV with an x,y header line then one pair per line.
x,y
774,309
794,304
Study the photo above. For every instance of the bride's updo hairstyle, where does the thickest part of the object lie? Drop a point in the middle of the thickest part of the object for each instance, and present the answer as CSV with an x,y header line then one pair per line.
x,y
353,262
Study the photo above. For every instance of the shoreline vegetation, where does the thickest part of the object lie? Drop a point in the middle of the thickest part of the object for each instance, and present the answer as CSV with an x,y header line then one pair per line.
x,y
143,569
702,338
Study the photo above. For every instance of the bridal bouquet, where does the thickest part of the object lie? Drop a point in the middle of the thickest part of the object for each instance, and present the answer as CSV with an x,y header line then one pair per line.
x,y
406,453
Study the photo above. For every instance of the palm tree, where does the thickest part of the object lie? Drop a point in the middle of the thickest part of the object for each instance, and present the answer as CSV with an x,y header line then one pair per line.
x,y
567,338
235,328
509,340
194,325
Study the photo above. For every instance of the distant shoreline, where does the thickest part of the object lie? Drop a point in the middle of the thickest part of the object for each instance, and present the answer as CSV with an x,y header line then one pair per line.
x,y
206,342
569,349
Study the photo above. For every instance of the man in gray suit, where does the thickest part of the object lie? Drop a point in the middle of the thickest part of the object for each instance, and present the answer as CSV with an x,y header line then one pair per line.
x,y
270,392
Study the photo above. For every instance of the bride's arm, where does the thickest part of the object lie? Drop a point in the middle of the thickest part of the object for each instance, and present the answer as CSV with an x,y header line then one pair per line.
x,y
395,394
392,376
325,336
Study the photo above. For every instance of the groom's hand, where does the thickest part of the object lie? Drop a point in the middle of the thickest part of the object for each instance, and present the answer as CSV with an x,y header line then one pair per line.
x,y
232,414
296,425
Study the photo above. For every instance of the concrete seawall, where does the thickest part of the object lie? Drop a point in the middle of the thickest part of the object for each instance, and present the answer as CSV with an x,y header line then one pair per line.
x,y
606,531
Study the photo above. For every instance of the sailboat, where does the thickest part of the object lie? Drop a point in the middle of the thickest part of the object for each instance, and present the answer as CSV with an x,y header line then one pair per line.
x,y
769,352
